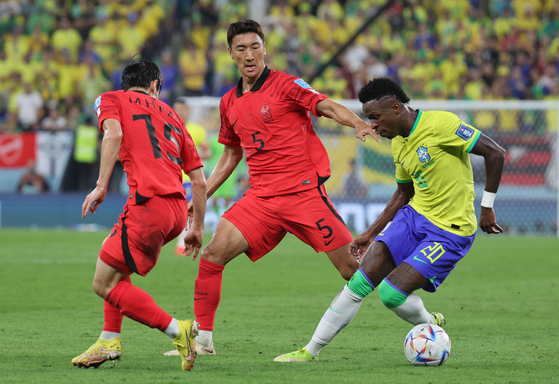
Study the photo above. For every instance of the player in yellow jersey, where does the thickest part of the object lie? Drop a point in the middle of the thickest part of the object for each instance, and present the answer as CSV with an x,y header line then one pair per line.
x,y
198,134
428,225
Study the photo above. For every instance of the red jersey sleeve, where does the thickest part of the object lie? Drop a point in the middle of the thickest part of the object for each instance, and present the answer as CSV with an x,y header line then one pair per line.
x,y
227,135
299,92
106,107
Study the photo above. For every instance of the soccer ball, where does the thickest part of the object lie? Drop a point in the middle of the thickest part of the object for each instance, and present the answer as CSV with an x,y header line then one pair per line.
x,y
427,344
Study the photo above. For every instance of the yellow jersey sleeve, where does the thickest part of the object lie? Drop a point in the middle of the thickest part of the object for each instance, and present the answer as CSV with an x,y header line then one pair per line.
x,y
402,176
453,132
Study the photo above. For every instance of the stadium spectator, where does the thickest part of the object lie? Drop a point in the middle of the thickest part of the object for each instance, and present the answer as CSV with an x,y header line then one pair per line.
x,y
170,75
353,183
279,106
155,213
16,43
192,61
66,39
54,121
29,104
102,38
130,38
430,217
91,84
86,152
31,182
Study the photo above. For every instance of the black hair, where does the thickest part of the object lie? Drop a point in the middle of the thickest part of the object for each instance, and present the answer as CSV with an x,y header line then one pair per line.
x,y
243,26
380,87
140,73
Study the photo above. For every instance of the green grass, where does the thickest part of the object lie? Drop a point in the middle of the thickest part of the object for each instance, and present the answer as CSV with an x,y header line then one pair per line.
x,y
500,303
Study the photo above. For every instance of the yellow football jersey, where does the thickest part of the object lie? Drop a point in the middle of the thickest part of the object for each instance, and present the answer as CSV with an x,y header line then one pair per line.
x,y
435,156
198,134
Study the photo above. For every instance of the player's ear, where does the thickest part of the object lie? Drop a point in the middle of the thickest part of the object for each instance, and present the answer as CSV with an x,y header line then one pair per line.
x,y
230,53
153,88
396,108
264,45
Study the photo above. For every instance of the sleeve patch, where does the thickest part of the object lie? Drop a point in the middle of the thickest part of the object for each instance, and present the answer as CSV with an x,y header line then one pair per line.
x,y
465,132
97,105
303,84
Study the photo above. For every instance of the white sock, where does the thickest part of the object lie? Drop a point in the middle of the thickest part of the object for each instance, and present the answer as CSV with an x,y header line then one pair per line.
x,y
413,311
180,238
108,335
204,338
173,329
340,313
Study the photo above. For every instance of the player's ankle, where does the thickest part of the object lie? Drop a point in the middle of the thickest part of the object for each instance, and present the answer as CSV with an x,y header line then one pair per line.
x,y
204,338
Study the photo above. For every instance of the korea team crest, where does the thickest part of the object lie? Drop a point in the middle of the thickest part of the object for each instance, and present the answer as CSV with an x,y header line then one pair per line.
x,y
423,154
266,113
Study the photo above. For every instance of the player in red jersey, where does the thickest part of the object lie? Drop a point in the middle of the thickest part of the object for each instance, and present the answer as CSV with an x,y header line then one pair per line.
x,y
153,146
266,116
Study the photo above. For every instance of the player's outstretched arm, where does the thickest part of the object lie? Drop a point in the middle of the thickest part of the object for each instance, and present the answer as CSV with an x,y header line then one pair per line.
x,y
195,235
401,197
345,116
494,156
109,153
226,164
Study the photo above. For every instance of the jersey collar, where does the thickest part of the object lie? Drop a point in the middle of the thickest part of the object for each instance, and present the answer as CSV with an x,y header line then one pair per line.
x,y
259,83
145,93
419,113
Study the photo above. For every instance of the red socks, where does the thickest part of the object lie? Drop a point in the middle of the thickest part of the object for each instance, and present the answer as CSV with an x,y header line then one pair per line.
x,y
138,305
113,317
207,293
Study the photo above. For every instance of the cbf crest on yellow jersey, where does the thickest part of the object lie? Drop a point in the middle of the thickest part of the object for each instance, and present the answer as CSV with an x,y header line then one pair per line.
x,y
435,157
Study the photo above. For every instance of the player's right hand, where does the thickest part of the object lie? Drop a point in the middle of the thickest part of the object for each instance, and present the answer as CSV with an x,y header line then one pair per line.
x,y
364,129
93,200
358,246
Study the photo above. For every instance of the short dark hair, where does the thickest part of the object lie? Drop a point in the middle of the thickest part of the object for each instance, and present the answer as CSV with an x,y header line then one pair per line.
x,y
140,73
243,26
381,87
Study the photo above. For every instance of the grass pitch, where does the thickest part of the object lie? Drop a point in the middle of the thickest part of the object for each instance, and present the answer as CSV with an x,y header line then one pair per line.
x,y
500,303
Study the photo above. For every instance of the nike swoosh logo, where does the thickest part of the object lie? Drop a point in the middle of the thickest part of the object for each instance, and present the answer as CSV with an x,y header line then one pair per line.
x,y
233,125
415,258
341,313
403,163
328,243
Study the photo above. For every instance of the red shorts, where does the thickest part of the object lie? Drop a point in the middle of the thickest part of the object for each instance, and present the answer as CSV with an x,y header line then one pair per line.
x,y
136,239
309,215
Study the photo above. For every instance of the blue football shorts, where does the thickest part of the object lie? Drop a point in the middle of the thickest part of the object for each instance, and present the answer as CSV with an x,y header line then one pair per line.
x,y
434,252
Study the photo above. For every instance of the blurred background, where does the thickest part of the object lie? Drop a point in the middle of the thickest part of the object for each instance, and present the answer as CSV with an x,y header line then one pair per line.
x,y
493,62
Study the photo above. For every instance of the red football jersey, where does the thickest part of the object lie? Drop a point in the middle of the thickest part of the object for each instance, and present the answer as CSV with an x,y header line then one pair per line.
x,y
155,143
272,123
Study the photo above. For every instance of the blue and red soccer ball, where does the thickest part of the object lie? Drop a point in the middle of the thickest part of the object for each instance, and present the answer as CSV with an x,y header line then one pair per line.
x,y
427,344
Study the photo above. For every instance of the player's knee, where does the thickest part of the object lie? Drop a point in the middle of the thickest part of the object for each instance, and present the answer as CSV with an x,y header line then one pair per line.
x,y
100,288
348,271
212,254
390,296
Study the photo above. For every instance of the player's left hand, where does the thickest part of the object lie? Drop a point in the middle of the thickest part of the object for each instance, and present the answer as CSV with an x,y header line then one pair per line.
x,y
193,242
364,129
93,200
358,246
488,222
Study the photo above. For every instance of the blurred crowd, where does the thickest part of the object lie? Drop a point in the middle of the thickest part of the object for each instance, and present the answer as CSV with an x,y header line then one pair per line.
x,y
57,55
